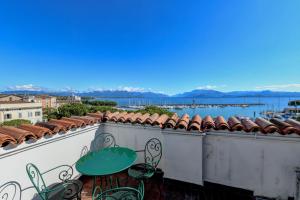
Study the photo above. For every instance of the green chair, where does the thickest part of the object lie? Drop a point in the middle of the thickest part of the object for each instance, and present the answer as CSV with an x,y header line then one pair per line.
x,y
152,157
64,189
120,193
103,140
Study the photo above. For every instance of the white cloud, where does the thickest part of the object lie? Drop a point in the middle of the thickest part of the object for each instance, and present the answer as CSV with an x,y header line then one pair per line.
x,y
28,87
295,87
131,89
210,87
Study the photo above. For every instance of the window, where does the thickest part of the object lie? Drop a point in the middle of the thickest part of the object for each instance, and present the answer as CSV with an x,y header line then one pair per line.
x,y
29,114
7,116
10,99
20,115
37,113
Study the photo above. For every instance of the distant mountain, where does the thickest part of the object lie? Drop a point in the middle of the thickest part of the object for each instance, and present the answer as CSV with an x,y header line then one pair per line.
x,y
201,93
103,94
214,93
122,94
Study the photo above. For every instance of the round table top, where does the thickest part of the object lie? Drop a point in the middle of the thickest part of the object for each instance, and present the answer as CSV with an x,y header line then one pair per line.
x,y
106,161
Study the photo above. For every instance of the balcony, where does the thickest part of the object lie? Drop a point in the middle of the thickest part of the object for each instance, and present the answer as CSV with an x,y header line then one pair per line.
x,y
215,164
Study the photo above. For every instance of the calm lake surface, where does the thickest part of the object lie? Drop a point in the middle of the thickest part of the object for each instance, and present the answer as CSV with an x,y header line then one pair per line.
x,y
270,103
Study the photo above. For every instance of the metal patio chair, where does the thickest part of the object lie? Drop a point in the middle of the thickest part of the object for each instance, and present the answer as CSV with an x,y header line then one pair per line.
x,y
152,157
64,189
120,193
103,140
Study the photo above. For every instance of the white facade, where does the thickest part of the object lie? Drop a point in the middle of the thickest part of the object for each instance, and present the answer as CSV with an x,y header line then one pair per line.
x,y
21,110
263,164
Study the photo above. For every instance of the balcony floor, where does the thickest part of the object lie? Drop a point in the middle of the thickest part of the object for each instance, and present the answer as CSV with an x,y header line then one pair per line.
x,y
174,190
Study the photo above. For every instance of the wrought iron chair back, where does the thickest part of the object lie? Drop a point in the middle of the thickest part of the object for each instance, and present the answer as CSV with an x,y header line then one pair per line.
x,y
153,152
10,191
36,177
104,140
37,180
120,193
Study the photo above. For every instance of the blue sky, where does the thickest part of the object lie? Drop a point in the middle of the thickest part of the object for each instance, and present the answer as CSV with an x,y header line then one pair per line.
x,y
160,45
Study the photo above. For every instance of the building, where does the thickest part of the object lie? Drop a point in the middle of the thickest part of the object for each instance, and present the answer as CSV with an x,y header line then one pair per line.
x,y
47,101
9,97
21,110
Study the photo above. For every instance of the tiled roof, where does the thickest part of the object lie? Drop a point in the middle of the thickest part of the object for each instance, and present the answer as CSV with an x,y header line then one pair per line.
x,y
14,136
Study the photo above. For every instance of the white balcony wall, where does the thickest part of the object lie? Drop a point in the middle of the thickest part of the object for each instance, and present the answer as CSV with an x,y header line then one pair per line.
x,y
263,164
45,154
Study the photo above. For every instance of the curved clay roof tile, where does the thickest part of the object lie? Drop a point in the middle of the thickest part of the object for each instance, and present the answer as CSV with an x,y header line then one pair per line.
x,y
285,128
18,134
208,122
221,123
122,117
97,115
150,120
184,121
235,124
294,123
6,140
36,130
78,122
142,118
114,116
55,128
161,120
265,125
107,116
68,125
195,123
131,117
249,125
171,123
87,120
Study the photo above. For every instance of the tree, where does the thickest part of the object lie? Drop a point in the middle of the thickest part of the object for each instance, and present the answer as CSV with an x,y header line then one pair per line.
x,y
67,110
155,109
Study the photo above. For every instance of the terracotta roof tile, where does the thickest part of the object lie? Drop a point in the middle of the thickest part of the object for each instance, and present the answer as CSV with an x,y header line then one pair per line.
x,y
161,120
183,122
19,135
55,128
122,117
87,120
208,123
294,123
284,127
66,124
6,140
142,118
36,130
150,120
114,116
195,123
221,123
77,122
107,116
171,123
265,125
97,115
249,125
131,117
235,124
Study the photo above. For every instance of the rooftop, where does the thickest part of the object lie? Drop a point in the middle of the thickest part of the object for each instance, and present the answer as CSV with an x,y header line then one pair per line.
x,y
12,135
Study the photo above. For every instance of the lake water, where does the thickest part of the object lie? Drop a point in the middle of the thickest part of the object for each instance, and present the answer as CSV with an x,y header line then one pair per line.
x,y
270,103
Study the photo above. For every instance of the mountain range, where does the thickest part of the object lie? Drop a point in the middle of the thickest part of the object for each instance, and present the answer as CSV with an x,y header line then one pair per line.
x,y
134,94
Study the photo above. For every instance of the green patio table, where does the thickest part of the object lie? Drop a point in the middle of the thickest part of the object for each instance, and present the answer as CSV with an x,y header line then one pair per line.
x,y
106,161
